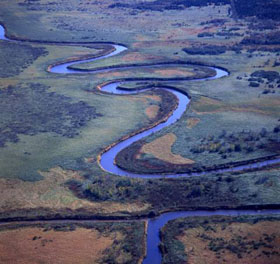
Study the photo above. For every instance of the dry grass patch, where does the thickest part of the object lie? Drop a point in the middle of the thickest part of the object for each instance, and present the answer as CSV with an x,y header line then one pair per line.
x,y
152,111
145,98
208,105
33,246
192,122
6,82
156,98
266,232
263,106
174,73
161,149
135,57
179,33
112,74
268,106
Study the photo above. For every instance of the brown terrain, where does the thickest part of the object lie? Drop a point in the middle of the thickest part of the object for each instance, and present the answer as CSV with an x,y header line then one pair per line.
x,y
34,245
161,149
262,106
250,243
152,111
174,72
192,122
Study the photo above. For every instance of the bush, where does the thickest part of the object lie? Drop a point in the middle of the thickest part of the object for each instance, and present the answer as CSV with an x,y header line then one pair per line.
x,y
254,84
269,75
206,50
259,8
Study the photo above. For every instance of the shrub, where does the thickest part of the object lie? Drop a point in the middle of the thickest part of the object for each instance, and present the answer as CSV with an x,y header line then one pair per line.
x,y
254,84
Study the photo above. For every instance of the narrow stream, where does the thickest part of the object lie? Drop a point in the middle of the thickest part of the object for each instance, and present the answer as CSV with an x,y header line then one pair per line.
x,y
155,225
107,159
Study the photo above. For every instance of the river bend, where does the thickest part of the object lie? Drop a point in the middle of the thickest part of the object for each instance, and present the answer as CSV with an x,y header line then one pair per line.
x,y
108,157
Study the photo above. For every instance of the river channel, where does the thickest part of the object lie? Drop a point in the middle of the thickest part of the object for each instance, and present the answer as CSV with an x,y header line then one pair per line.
x,y
108,157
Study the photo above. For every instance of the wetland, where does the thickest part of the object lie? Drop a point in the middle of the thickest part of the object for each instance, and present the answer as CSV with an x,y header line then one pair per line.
x,y
99,131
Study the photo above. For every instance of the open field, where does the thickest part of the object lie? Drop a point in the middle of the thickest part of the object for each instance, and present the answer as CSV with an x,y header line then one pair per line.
x,y
73,243
220,239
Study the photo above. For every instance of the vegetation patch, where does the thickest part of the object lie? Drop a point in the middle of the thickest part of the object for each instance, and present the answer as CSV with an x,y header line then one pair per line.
x,y
51,195
259,8
30,109
158,5
12,64
220,239
245,141
270,38
252,189
206,50
268,80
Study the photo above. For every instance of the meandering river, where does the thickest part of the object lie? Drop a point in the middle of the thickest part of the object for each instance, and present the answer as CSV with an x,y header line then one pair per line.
x,y
108,157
